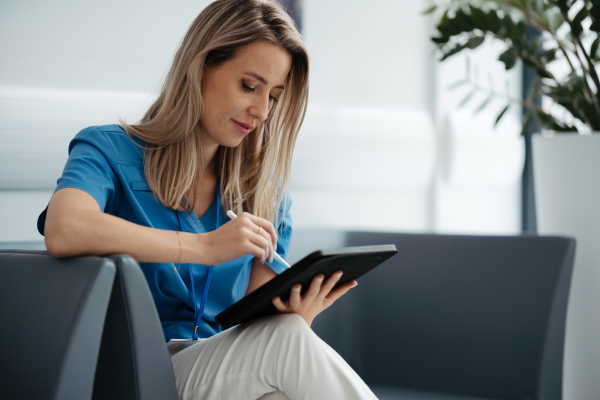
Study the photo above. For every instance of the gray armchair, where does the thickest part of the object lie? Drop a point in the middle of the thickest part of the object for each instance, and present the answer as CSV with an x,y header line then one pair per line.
x,y
79,328
453,317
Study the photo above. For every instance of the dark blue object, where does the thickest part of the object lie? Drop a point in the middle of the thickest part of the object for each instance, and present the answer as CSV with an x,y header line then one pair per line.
x,y
473,317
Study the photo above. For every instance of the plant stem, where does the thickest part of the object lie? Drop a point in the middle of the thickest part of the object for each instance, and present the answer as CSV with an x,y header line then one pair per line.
x,y
591,68
585,71
537,23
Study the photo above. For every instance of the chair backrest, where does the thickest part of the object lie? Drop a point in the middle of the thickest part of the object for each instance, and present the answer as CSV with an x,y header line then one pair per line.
x,y
134,362
478,316
124,357
52,314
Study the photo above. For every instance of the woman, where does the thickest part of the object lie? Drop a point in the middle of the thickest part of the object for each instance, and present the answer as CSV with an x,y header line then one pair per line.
x,y
219,137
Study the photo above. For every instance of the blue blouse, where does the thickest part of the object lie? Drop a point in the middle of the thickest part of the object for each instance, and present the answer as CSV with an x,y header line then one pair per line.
x,y
109,165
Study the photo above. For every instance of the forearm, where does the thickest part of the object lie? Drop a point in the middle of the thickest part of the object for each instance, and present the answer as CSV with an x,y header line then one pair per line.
x,y
75,225
98,233
259,275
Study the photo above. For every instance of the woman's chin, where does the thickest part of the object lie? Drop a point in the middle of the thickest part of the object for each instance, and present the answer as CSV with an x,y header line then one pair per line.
x,y
233,142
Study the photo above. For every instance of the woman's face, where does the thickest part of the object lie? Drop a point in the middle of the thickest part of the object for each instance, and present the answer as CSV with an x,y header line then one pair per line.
x,y
239,93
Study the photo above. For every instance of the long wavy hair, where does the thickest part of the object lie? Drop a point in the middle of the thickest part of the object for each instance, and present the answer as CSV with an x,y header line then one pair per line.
x,y
254,176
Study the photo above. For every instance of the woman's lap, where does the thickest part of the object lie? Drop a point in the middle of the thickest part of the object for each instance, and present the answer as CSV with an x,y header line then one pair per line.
x,y
278,357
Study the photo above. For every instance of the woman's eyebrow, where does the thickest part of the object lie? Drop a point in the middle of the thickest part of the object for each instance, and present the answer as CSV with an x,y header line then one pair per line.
x,y
263,80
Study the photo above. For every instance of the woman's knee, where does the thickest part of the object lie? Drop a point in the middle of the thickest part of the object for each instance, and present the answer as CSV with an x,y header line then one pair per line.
x,y
285,325
291,322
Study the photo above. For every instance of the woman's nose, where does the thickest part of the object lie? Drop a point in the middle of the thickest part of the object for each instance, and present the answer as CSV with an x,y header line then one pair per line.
x,y
261,108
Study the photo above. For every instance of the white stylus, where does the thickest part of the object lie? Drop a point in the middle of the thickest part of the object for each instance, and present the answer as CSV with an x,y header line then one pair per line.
x,y
276,257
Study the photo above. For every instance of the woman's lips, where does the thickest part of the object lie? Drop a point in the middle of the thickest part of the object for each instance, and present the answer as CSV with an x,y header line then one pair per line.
x,y
243,127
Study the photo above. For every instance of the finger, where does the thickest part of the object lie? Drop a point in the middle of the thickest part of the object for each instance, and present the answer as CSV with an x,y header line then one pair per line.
x,y
257,251
330,283
338,292
295,298
279,304
259,240
314,289
270,249
266,225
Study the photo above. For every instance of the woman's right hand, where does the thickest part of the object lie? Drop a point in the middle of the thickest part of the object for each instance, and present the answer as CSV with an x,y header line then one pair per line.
x,y
246,234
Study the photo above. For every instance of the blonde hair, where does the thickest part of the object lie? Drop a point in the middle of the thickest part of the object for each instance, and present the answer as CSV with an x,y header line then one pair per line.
x,y
254,176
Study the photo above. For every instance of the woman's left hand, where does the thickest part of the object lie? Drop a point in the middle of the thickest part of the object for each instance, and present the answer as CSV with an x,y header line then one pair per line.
x,y
317,298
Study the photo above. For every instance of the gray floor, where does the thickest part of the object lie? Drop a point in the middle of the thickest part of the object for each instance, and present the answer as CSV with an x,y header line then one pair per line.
x,y
388,393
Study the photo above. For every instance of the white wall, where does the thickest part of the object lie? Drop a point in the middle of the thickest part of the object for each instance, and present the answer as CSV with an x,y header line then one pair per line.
x,y
383,146
66,65
424,164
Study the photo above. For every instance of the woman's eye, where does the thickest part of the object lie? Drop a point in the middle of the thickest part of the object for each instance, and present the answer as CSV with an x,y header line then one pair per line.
x,y
275,99
246,87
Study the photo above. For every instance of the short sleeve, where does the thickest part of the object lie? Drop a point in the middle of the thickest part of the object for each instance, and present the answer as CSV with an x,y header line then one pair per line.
x,y
88,167
284,233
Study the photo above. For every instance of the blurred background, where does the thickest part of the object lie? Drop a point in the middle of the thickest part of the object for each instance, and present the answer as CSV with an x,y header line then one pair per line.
x,y
390,142
384,146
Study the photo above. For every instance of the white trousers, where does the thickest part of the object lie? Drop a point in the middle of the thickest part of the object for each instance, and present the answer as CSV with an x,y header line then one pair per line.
x,y
277,357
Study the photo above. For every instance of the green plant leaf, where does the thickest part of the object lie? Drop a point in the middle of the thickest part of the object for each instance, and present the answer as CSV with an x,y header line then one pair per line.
x,y
595,10
562,4
507,26
440,40
527,120
466,99
576,27
547,56
456,49
509,58
581,15
548,5
530,59
483,105
494,21
518,4
571,95
474,42
429,10
594,49
555,20
480,19
549,122
519,34
464,21
504,110
457,84
595,26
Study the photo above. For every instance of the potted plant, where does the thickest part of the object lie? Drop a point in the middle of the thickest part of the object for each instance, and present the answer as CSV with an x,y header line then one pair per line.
x,y
569,36
564,55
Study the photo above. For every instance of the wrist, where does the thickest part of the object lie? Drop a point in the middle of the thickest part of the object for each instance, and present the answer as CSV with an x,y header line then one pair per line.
x,y
196,248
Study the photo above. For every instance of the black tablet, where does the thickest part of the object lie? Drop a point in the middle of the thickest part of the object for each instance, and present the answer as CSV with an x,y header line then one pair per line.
x,y
353,261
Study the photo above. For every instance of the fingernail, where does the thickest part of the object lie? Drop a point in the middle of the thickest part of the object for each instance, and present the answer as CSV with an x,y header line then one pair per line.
x,y
297,288
320,278
339,275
